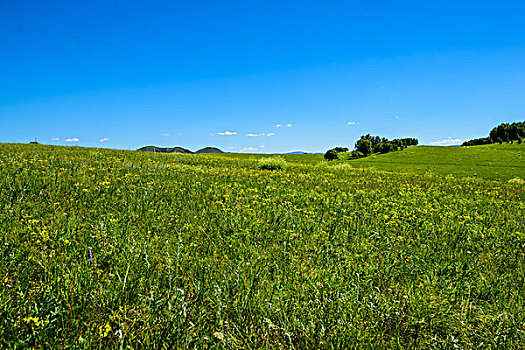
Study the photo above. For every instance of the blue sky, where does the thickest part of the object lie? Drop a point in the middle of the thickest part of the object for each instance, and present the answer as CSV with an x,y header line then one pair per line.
x,y
258,76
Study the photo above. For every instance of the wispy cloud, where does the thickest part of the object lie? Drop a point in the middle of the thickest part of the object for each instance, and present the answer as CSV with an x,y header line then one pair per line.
x,y
278,125
353,123
55,139
448,141
227,133
289,125
249,149
261,134
73,139
104,139
165,135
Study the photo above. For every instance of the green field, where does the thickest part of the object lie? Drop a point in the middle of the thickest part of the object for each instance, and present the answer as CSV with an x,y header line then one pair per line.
x,y
292,158
506,161
122,249
496,162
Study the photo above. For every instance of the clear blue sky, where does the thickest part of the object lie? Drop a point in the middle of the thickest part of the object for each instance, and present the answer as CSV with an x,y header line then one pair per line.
x,y
201,73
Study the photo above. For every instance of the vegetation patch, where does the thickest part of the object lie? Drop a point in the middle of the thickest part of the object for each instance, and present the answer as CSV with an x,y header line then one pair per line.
x,y
272,163
517,181
369,145
502,133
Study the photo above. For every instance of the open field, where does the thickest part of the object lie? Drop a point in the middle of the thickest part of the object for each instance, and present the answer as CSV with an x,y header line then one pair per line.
x,y
503,162
506,161
292,158
116,249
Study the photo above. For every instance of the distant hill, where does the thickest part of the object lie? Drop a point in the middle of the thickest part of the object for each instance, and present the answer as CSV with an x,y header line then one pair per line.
x,y
297,152
209,150
178,150
164,150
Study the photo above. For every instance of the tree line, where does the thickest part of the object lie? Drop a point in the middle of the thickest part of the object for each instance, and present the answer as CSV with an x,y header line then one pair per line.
x,y
369,144
502,133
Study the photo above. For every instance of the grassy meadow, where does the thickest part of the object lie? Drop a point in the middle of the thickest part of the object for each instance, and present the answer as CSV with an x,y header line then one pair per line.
x,y
505,161
292,158
122,249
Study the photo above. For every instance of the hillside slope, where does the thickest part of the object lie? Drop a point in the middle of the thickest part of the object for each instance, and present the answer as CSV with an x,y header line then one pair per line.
x,y
494,161
209,150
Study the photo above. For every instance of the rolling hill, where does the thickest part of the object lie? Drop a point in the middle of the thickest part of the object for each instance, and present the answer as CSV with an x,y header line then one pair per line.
x,y
495,161
209,150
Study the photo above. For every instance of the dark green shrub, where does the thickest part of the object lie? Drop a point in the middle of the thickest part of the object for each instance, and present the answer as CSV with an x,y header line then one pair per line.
x,y
331,154
356,155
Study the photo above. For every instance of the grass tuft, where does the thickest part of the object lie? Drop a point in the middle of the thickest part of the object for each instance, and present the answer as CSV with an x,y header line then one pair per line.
x,y
272,163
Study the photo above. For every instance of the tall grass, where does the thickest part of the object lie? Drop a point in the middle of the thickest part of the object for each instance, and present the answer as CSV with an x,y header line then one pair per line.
x,y
116,249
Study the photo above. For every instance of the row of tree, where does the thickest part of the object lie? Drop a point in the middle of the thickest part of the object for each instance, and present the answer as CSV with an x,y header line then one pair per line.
x,y
369,144
502,133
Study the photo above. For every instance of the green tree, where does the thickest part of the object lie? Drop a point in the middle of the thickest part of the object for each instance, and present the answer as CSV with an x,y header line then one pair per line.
x,y
356,155
331,154
385,147
364,146
502,133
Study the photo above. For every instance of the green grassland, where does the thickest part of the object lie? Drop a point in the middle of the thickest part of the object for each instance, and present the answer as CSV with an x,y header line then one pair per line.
x,y
506,161
121,249
292,158
503,162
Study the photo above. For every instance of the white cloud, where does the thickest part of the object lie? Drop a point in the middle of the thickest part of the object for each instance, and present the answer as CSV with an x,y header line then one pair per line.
x,y
231,147
165,135
227,133
447,141
289,125
353,123
261,134
55,139
261,146
104,139
278,125
73,139
249,149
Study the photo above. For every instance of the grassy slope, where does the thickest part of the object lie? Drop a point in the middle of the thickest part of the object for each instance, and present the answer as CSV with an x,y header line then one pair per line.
x,y
503,162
